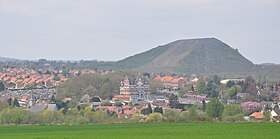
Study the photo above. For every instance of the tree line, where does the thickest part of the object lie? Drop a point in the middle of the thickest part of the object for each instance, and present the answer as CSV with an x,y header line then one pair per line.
x,y
210,112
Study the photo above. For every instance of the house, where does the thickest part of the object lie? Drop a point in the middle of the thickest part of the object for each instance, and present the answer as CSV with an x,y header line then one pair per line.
x,y
170,82
38,108
13,79
166,80
96,101
177,83
6,79
231,80
257,115
129,112
85,99
48,83
11,85
127,107
24,98
196,97
140,104
52,107
195,80
232,101
23,101
67,99
275,114
108,108
26,80
31,83
267,105
187,101
122,98
242,95
19,84
40,83
41,107
160,99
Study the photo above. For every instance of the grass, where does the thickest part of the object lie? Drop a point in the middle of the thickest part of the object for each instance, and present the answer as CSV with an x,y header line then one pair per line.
x,y
145,131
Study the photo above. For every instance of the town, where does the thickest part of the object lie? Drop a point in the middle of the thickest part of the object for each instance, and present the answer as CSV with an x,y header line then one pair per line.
x,y
133,97
158,69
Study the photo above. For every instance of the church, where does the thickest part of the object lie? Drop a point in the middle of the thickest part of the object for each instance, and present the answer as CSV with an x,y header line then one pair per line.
x,y
138,88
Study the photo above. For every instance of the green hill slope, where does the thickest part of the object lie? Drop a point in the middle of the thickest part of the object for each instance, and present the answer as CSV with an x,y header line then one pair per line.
x,y
207,55
141,59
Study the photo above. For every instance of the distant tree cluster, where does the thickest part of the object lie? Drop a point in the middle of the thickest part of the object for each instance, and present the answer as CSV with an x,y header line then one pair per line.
x,y
2,86
70,113
207,86
105,86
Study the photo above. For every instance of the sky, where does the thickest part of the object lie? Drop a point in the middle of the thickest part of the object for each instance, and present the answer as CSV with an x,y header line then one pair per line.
x,y
111,30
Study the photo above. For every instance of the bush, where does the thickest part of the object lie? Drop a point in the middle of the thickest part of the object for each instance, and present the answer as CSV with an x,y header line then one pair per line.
x,y
136,118
192,113
203,118
232,110
214,108
234,118
82,120
159,110
154,118
184,116
266,117
14,116
171,115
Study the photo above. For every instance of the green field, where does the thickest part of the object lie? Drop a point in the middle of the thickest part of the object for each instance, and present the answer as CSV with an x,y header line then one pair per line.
x,y
145,131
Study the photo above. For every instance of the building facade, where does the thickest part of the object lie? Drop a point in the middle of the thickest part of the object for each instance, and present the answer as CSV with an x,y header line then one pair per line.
x,y
138,88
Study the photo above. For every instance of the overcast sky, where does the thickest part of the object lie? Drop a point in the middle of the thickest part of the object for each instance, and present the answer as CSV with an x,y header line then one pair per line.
x,y
115,29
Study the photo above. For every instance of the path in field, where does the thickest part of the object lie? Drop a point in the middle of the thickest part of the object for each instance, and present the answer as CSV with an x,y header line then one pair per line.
x,y
145,131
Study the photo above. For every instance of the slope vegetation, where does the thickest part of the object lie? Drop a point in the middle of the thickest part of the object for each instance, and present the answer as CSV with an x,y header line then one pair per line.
x,y
206,55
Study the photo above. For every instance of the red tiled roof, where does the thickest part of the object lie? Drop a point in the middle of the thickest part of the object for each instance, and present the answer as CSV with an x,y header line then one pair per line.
x,y
257,115
157,78
110,108
18,81
129,112
122,96
6,78
46,80
13,79
26,80
126,107
176,80
40,80
36,77
24,97
32,80
27,109
67,99
167,78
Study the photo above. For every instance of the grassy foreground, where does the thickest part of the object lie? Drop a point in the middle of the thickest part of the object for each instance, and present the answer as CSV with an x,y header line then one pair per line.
x,y
145,131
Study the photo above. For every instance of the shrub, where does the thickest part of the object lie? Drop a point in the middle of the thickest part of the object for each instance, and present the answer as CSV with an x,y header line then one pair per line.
x,y
184,116
171,115
234,118
154,117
